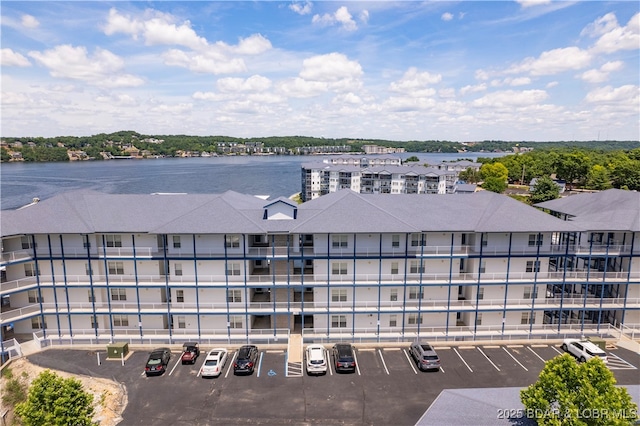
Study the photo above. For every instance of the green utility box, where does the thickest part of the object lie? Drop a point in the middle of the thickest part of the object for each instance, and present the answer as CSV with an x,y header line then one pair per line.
x,y
599,343
117,350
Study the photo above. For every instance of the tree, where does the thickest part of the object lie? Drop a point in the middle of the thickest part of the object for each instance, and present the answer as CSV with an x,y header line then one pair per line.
x,y
53,400
598,178
470,175
572,167
569,393
545,189
494,184
494,176
412,159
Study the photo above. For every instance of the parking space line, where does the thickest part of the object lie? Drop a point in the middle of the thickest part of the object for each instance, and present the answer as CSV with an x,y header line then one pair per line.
x,y
620,359
329,365
536,354
514,346
492,347
231,364
357,362
383,363
514,358
556,349
488,359
176,364
465,362
260,364
539,346
410,361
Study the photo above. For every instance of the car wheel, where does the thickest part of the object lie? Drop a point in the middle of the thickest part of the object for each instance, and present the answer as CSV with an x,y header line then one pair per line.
x,y
583,359
564,347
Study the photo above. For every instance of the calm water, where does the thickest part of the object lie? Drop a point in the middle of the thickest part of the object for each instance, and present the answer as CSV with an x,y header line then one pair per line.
x,y
270,175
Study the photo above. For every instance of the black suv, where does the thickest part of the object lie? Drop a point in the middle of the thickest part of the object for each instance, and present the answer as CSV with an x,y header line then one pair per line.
x,y
157,362
246,361
343,357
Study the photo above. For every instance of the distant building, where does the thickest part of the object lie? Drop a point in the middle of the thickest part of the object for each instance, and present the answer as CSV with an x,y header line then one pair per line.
x,y
376,149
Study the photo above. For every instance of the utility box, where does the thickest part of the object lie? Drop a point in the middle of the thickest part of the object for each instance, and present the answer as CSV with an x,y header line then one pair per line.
x,y
117,350
599,343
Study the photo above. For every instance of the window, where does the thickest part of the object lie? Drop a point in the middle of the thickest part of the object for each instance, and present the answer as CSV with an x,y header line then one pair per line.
x,y
481,293
393,320
87,270
233,269
182,322
485,240
418,240
176,241
528,318
85,241
232,241
26,242
414,319
37,324
180,296
338,321
339,268
116,268
113,240
483,266
93,321
394,268
415,293
235,321
339,295
416,267
29,270
177,267
118,294
234,295
339,241
533,266
393,295
462,264
479,319
535,240
120,320
90,296
529,294
395,240
34,297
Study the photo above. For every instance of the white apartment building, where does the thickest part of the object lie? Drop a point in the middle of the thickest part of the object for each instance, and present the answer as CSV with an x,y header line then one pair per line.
x,y
90,267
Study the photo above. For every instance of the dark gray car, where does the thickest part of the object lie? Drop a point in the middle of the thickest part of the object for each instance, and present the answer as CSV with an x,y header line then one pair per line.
x,y
247,360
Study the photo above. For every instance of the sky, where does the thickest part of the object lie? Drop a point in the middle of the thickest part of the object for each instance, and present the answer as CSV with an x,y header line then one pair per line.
x,y
461,71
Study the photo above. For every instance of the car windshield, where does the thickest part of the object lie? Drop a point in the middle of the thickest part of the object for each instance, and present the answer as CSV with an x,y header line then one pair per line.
x,y
211,362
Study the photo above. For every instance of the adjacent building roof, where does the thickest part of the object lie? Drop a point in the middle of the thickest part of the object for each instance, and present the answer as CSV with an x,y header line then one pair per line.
x,y
341,212
610,210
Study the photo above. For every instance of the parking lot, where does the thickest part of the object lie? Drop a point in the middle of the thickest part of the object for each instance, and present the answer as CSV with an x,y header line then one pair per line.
x,y
385,389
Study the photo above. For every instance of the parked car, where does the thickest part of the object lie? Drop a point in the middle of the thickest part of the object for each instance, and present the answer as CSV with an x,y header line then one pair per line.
x,y
316,359
425,356
190,352
583,350
214,362
157,361
344,358
246,360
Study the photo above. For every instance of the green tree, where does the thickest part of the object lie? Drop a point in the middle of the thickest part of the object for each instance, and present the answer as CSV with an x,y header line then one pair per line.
x,y
55,401
495,184
470,175
545,189
495,177
568,393
626,174
598,178
412,159
573,167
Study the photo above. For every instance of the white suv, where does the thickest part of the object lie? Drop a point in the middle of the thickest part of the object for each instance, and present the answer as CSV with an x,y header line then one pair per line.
x,y
316,356
583,349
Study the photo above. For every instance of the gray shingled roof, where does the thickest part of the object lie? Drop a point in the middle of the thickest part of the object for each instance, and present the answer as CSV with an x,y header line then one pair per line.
x,y
231,212
610,210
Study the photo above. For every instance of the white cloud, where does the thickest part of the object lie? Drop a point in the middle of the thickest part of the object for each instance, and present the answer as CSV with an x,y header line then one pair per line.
x,y
103,68
173,109
122,100
347,98
301,8
473,88
331,67
602,74
255,83
520,81
301,88
553,62
29,21
9,58
252,45
601,26
532,3
628,94
203,63
416,83
207,96
340,17
446,16
364,16
511,98
614,38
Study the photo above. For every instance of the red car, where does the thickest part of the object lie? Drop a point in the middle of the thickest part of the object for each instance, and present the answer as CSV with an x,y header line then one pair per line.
x,y
190,352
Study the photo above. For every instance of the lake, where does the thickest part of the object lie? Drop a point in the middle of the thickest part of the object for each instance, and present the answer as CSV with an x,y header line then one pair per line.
x,y
258,175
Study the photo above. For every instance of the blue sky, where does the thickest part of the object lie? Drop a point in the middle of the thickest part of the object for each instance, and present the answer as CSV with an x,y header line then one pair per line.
x,y
403,70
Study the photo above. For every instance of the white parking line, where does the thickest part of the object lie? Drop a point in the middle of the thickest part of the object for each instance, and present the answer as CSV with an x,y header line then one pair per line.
x,y
383,363
556,349
514,358
536,354
260,363
620,359
174,367
488,359
410,361
231,364
357,363
465,362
